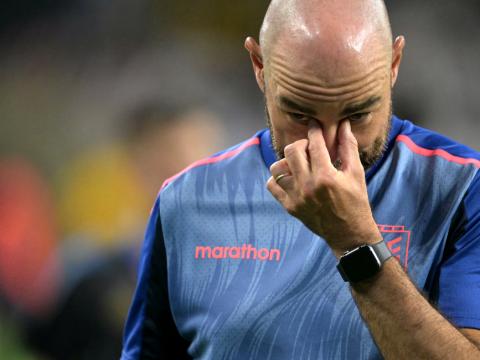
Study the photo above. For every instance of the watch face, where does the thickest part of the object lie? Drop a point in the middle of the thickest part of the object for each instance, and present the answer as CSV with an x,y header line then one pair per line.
x,y
360,264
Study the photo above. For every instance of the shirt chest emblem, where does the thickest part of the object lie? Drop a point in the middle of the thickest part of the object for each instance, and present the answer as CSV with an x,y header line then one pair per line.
x,y
397,239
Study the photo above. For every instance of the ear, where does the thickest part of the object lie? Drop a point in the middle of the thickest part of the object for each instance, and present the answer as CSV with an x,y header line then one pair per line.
x,y
257,61
398,46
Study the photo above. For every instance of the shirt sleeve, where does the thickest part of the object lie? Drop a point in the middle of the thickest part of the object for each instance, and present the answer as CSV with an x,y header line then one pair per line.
x,y
459,276
150,331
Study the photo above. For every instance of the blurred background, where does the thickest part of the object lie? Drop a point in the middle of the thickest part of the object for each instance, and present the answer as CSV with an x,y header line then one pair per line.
x,y
101,101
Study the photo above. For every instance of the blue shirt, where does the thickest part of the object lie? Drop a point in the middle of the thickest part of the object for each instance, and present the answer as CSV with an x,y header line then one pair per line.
x,y
227,273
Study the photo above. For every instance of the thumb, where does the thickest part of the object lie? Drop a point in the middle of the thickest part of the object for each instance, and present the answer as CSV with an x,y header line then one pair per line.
x,y
347,151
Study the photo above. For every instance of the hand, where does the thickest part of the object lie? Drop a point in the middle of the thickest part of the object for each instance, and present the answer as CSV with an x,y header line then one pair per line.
x,y
331,202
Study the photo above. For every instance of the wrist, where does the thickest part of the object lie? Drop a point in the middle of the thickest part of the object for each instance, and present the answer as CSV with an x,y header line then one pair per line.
x,y
371,238
363,262
383,278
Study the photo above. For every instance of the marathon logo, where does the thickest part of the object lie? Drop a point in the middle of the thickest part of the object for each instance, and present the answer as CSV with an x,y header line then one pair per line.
x,y
397,239
245,252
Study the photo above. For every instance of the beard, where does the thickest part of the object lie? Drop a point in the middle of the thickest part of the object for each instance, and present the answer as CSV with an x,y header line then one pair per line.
x,y
367,157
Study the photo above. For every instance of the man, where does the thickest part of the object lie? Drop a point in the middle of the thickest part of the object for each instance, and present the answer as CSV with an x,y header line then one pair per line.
x,y
228,273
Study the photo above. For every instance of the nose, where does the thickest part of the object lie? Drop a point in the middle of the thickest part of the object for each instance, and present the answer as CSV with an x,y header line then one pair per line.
x,y
330,135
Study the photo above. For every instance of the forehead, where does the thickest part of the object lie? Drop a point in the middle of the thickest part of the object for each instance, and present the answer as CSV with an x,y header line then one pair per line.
x,y
329,74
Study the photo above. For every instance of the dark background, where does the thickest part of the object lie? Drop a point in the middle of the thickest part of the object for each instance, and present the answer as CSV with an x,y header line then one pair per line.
x,y
71,71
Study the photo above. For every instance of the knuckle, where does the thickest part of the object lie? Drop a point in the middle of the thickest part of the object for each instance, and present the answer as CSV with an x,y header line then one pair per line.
x,y
329,182
291,208
295,147
274,167
326,180
312,147
278,167
303,143
309,190
270,182
289,150
297,208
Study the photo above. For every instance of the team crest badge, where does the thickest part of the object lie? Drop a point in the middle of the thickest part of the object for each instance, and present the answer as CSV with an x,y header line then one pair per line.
x,y
397,239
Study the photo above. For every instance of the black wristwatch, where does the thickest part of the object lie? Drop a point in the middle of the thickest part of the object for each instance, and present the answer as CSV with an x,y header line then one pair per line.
x,y
363,262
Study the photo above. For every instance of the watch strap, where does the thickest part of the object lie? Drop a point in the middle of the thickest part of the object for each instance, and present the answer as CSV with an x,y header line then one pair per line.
x,y
382,251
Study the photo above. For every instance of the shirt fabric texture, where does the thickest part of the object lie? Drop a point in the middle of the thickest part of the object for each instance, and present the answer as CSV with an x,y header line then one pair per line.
x,y
227,273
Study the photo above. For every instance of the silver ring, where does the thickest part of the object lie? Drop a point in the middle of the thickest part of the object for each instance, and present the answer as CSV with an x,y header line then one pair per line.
x,y
280,177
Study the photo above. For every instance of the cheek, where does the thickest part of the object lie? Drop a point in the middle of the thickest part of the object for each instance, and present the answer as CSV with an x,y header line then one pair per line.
x,y
367,136
365,141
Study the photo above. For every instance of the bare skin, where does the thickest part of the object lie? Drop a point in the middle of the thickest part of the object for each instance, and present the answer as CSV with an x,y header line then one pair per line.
x,y
327,82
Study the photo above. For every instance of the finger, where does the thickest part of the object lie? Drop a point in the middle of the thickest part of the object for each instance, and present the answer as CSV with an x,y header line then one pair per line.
x,y
280,170
280,167
317,149
297,159
277,191
347,150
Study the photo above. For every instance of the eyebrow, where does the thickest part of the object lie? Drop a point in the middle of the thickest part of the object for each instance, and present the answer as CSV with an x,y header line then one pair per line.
x,y
355,108
286,102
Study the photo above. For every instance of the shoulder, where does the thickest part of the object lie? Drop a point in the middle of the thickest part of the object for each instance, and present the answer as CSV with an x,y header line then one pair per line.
x,y
426,171
443,163
426,143
226,162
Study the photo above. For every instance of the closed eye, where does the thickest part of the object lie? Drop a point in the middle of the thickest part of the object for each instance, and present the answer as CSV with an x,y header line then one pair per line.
x,y
300,118
359,117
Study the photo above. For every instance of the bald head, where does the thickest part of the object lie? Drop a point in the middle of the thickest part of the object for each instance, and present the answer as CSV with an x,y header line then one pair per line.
x,y
327,61
325,27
